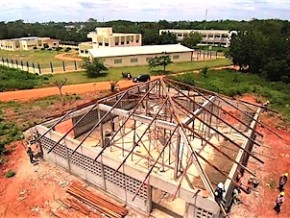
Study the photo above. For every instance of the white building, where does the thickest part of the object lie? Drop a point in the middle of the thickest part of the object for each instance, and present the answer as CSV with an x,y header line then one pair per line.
x,y
209,37
104,37
139,55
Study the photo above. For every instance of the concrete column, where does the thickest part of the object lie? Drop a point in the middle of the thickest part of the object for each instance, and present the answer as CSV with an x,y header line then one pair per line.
x,y
177,151
149,199
102,145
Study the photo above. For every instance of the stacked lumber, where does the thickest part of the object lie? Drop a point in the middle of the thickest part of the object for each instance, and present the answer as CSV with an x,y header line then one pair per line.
x,y
104,206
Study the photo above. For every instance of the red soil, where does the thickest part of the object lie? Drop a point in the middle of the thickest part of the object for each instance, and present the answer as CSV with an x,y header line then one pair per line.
x,y
275,153
24,95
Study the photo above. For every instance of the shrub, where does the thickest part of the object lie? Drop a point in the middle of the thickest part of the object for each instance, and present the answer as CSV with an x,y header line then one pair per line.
x,y
49,49
67,50
204,72
10,174
34,48
58,48
76,49
42,49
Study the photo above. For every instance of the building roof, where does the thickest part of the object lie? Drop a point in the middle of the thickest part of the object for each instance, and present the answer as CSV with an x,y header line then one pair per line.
x,y
137,50
199,31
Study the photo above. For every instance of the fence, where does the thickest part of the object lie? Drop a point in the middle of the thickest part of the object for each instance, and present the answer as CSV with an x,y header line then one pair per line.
x,y
204,55
49,68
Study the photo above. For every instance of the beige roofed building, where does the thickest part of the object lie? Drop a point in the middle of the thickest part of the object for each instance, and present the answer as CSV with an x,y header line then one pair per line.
x,y
139,55
27,43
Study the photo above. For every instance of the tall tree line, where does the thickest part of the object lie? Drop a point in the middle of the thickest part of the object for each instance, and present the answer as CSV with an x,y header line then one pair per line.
x,y
149,30
263,48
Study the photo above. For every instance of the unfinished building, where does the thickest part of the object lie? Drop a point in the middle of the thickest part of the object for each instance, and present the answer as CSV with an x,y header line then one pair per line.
x,y
161,145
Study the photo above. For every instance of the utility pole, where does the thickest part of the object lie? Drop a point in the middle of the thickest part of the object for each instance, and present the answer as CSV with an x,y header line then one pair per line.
x,y
205,18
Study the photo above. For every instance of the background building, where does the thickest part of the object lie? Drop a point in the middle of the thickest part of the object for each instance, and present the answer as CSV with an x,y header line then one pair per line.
x,y
139,55
209,37
104,37
28,43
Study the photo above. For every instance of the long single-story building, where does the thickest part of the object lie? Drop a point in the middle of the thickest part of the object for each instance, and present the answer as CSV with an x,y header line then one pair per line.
x,y
209,37
139,55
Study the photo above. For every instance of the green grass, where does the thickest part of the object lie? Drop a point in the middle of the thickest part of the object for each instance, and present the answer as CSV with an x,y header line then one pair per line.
x,y
115,73
43,57
233,83
15,117
10,174
13,79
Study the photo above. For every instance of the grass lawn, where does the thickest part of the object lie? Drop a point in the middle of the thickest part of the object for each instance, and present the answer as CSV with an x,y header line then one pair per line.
x,y
115,73
43,57
233,83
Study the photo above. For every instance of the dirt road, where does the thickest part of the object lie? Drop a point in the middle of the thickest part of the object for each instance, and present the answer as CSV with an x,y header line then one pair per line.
x,y
23,95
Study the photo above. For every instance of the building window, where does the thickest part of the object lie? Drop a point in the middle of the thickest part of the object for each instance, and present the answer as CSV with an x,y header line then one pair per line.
x,y
127,42
117,61
148,59
86,51
106,44
179,34
134,60
116,43
137,41
175,57
122,43
100,44
82,51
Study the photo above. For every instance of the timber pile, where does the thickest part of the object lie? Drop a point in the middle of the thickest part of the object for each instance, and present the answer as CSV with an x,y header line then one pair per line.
x,y
104,206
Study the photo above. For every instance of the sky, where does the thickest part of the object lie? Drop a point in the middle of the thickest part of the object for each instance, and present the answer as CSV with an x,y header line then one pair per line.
x,y
142,10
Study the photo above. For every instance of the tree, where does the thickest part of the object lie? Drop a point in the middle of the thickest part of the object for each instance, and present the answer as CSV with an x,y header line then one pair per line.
x,y
167,38
94,67
59,84
191,39
164,61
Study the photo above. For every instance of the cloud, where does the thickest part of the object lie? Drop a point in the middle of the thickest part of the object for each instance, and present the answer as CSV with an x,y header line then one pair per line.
x,y
73,10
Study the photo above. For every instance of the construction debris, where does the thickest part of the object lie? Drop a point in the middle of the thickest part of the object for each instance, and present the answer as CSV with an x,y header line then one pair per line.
x,y
104,206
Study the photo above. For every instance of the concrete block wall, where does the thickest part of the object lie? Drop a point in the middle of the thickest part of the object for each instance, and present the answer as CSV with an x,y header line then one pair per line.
x,y
242,158
121,185
124,183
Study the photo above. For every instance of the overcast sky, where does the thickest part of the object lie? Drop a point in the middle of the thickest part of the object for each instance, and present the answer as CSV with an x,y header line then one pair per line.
x,y
142,10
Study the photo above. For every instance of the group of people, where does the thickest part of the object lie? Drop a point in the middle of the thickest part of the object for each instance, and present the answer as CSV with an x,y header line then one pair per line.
x,y
281,197
126,75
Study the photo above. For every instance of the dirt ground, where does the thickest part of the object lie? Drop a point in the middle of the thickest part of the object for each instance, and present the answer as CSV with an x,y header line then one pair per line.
x,y
275,153
72,56
39,189
24,95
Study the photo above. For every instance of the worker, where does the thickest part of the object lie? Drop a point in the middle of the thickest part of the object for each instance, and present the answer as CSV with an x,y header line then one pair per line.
x,y
265,106
282,181
30,154
236,197
279,201
239,181
219,191
112,125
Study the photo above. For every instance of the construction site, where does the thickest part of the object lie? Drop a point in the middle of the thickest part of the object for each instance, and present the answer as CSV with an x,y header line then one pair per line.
x,y
161,145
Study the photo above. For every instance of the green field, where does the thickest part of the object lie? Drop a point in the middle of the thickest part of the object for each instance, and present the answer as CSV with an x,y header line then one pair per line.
x,y
43,57
234,83
115,73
